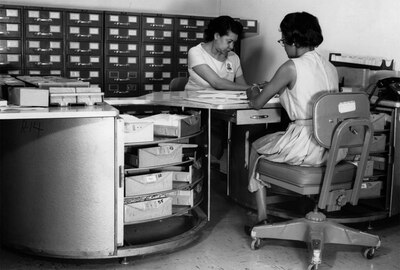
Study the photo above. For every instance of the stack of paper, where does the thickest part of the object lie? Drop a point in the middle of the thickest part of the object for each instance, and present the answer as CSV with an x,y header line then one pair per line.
x,y
220,96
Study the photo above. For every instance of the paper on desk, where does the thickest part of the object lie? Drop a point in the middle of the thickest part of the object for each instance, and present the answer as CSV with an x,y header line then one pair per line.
x,y
221,94
218,101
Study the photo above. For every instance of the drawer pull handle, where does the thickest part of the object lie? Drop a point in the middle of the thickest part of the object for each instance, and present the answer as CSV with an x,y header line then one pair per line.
x,y
259,116
157,38
83,51
83,64
44,50
43,20
157,25
44,64
83,36
121,51
83,22
120,23
43,34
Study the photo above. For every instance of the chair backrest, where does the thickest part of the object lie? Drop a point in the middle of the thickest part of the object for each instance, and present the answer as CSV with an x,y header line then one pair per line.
x,y
342,120
331,109
178,84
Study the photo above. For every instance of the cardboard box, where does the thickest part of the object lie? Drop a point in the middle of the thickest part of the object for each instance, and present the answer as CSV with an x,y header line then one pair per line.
x,y
24,96
187,197
148,183
135,211
370,189
379,163
378,145
174,125
187,177
136,130
369,169
156,156
378,121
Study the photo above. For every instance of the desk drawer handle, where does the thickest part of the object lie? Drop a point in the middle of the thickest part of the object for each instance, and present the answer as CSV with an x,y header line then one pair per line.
x,y
259,116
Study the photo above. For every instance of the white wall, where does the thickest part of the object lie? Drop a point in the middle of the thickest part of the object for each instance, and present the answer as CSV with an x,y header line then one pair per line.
x,y
186,7
355,27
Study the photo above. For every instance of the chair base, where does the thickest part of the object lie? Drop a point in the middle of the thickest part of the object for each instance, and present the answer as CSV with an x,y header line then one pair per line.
x,y
316,231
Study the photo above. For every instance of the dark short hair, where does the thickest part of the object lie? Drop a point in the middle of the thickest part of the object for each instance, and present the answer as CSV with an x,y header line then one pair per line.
x,y
301,29
222,25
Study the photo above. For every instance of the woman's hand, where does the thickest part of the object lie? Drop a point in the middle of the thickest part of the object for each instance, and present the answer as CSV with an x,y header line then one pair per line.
x,y
253,92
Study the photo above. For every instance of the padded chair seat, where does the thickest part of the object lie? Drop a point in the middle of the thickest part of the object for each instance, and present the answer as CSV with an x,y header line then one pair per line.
x,y
304,176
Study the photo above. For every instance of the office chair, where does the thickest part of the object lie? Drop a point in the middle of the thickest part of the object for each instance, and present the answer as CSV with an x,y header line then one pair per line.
x,y
178,84
340,120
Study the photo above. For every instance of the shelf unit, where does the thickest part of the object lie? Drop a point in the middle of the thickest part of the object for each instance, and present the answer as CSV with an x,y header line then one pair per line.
x,y
183,220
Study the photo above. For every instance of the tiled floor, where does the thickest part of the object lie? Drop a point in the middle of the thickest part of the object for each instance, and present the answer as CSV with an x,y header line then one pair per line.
x,y
223,245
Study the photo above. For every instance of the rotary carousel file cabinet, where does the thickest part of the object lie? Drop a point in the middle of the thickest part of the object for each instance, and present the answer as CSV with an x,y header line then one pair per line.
x,y
67,192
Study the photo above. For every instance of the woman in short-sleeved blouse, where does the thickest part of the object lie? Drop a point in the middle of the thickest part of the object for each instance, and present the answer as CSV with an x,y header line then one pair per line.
x,y
213,64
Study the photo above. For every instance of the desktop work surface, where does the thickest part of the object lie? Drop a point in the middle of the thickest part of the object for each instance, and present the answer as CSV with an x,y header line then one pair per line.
x,y
193,99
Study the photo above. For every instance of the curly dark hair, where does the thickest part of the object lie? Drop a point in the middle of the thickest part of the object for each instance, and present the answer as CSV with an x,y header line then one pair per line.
x,y
222,25
301,29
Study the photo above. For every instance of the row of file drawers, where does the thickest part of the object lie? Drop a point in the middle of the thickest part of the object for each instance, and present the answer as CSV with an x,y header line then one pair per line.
x,y
49,41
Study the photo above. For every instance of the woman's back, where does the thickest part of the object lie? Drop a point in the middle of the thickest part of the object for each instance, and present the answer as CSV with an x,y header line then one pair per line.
x,y
314,75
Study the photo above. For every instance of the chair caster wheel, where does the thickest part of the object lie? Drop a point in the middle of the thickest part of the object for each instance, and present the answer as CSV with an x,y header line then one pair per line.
x,y
369,253
123,261
312,267
255,244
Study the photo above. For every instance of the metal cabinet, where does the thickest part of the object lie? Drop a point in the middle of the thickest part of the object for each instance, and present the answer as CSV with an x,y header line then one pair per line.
x,y
157,68
122,54
84,46
126,54
44,44
189,32
386,171
11,40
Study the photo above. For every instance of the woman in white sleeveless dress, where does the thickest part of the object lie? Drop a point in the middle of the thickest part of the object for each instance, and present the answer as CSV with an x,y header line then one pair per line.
x,y
298,81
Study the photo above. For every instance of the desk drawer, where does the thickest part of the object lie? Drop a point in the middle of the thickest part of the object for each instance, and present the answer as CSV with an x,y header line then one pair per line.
x,y
246,117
